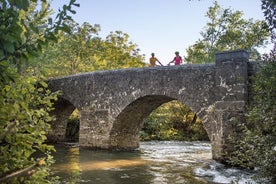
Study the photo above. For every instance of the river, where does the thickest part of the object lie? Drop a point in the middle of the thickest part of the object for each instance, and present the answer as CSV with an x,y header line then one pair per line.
x,y
162,162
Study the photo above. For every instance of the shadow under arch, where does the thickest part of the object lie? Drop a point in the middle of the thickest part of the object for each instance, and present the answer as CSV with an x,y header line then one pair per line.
x,y
124,134
61,113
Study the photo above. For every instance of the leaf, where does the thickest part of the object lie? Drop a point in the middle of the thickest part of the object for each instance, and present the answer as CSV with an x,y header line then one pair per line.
x,y
73,11
43,84
76,4
34,28
50,21
21,4
10,47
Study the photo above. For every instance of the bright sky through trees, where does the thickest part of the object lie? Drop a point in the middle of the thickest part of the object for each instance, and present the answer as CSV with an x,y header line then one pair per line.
x,y
159,26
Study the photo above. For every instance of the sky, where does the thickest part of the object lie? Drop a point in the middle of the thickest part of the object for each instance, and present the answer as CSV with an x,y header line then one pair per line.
x,y
157,26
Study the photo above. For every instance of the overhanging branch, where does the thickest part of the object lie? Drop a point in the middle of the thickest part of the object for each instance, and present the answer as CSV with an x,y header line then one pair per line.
x,y
27,172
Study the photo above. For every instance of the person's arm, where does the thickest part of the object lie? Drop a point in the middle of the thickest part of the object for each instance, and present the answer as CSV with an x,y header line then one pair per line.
x,y
171,61
159,62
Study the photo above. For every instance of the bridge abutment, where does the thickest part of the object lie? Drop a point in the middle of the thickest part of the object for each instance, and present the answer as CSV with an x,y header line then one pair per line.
x,y
231,84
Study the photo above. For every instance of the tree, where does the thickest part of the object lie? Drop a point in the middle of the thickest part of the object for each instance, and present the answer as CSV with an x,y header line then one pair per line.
x,y
119,52
89,52
74,51
25,101
25,31
227,30
24,117
269,8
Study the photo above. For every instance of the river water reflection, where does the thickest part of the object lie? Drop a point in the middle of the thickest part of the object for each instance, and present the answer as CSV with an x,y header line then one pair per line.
x,y
155,163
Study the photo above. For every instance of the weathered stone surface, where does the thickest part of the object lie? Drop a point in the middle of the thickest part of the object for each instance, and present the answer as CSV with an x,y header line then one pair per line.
x,y
113,104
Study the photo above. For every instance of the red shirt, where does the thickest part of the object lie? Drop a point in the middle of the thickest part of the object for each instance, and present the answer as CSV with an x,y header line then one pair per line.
x,y
177,60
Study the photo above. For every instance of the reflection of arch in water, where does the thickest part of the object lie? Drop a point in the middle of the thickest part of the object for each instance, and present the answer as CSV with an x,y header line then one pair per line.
x,y
61,113
67,165
126,127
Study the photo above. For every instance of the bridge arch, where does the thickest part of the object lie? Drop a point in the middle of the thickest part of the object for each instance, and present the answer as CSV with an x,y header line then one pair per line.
x,y
131,119
61,113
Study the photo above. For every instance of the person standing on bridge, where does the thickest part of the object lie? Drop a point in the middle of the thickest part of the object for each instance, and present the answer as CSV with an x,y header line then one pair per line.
x,y
153,60
177,59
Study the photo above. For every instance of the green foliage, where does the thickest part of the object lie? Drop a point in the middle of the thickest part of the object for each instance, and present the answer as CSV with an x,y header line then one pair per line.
x,y
25,101
269,9
173,121
24,114
119,52
25,30
227,30
257,148
56,58
89,52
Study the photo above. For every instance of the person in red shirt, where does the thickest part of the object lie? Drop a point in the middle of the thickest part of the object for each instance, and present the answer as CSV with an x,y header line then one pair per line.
x,y
177,59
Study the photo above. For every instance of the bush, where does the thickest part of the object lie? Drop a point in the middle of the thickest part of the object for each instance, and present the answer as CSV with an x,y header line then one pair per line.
x,y
24,117
257,149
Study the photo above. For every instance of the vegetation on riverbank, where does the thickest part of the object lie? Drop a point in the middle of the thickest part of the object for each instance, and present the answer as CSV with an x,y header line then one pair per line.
x,y
257,147
173,121
25,101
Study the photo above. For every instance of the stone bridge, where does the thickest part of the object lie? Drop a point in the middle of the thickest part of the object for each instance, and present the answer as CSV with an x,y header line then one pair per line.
x,y
113,104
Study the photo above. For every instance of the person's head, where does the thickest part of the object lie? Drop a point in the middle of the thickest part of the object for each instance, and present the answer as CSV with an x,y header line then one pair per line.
x,y
177,53
152,54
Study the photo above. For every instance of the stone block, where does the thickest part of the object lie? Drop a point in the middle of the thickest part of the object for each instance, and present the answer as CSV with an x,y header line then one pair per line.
x,y
237,56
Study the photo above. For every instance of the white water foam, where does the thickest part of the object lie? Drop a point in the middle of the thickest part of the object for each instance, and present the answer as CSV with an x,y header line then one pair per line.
x,y
218,173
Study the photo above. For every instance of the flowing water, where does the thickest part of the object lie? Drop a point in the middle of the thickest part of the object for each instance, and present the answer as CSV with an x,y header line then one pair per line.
x,y
160,162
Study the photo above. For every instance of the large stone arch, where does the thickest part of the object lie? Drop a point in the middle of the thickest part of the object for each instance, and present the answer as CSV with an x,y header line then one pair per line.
x,y
130,121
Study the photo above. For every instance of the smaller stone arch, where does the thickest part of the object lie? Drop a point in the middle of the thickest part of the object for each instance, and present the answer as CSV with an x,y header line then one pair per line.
x,y
62,111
